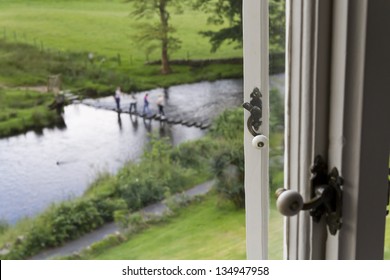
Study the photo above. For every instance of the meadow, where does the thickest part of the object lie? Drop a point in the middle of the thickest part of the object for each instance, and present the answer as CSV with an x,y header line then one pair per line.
x,y
98,37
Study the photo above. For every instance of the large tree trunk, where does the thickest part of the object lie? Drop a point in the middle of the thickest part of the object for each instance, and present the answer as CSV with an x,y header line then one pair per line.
x,y
164,16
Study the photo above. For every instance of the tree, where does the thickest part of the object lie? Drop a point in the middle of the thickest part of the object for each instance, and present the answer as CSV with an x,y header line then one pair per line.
x,y
221,11
230,11
154,35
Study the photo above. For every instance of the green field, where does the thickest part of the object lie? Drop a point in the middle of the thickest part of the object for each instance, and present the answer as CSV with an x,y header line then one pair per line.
x,y
102,27
62,29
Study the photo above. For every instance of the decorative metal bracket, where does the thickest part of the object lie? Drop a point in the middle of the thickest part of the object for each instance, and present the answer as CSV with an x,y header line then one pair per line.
x,y
326,197
255,108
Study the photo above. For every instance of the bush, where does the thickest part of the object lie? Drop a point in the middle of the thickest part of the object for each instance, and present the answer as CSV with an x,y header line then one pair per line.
x,y
229,126
228,162
107,207
194,154
66,221
229,170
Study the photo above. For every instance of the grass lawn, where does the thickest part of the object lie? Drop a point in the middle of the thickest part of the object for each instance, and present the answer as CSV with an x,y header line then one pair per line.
x,y
104,28
21,110
206,230
99,26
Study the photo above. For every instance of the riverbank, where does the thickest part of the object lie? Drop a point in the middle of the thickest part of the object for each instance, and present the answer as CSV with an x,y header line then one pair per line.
x,y
24,110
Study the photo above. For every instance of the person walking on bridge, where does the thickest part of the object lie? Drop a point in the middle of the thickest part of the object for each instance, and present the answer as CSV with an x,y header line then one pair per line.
x,y
133,104
117,97
146,109
161,104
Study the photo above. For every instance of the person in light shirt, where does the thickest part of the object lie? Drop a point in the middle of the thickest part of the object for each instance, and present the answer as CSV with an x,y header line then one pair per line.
x,y
161,104
117,96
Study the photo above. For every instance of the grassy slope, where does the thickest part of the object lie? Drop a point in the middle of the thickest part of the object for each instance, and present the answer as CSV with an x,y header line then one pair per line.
x,y
21,110
192,236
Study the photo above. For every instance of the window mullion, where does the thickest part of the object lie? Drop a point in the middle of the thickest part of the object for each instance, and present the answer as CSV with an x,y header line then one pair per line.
x,y
255,38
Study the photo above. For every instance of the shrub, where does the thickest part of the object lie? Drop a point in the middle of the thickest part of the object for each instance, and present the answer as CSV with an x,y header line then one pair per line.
x,y
107,207
229,125
228,168
121,217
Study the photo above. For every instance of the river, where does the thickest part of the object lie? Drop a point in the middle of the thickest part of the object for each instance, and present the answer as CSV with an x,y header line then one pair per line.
x,y
37,170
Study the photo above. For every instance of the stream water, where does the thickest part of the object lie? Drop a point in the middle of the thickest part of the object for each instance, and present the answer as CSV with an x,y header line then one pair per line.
x,y
59,164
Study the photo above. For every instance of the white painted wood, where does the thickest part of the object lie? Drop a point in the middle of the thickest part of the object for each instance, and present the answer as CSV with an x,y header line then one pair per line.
x,y
337,93
308,116
287,115
292,120
337,105
366,130
321,86
255,21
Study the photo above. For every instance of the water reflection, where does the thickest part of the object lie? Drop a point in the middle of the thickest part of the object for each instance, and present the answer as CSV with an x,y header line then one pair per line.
x,y
119,121
134,122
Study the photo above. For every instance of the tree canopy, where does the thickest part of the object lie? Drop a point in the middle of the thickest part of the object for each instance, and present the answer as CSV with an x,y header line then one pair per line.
x,y
229,14
157,34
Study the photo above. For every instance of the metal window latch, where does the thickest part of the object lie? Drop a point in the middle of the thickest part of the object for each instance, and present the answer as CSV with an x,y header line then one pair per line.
x,y
326,197
255,108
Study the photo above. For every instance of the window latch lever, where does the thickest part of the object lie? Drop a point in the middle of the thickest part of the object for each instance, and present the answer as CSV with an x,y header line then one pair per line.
x,y
326,197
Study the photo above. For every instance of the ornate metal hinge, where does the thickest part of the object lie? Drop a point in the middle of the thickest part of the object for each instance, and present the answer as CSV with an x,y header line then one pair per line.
x,y
326,197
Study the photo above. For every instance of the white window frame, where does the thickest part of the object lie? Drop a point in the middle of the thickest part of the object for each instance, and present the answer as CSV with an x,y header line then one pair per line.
x,y
337,105
255,22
